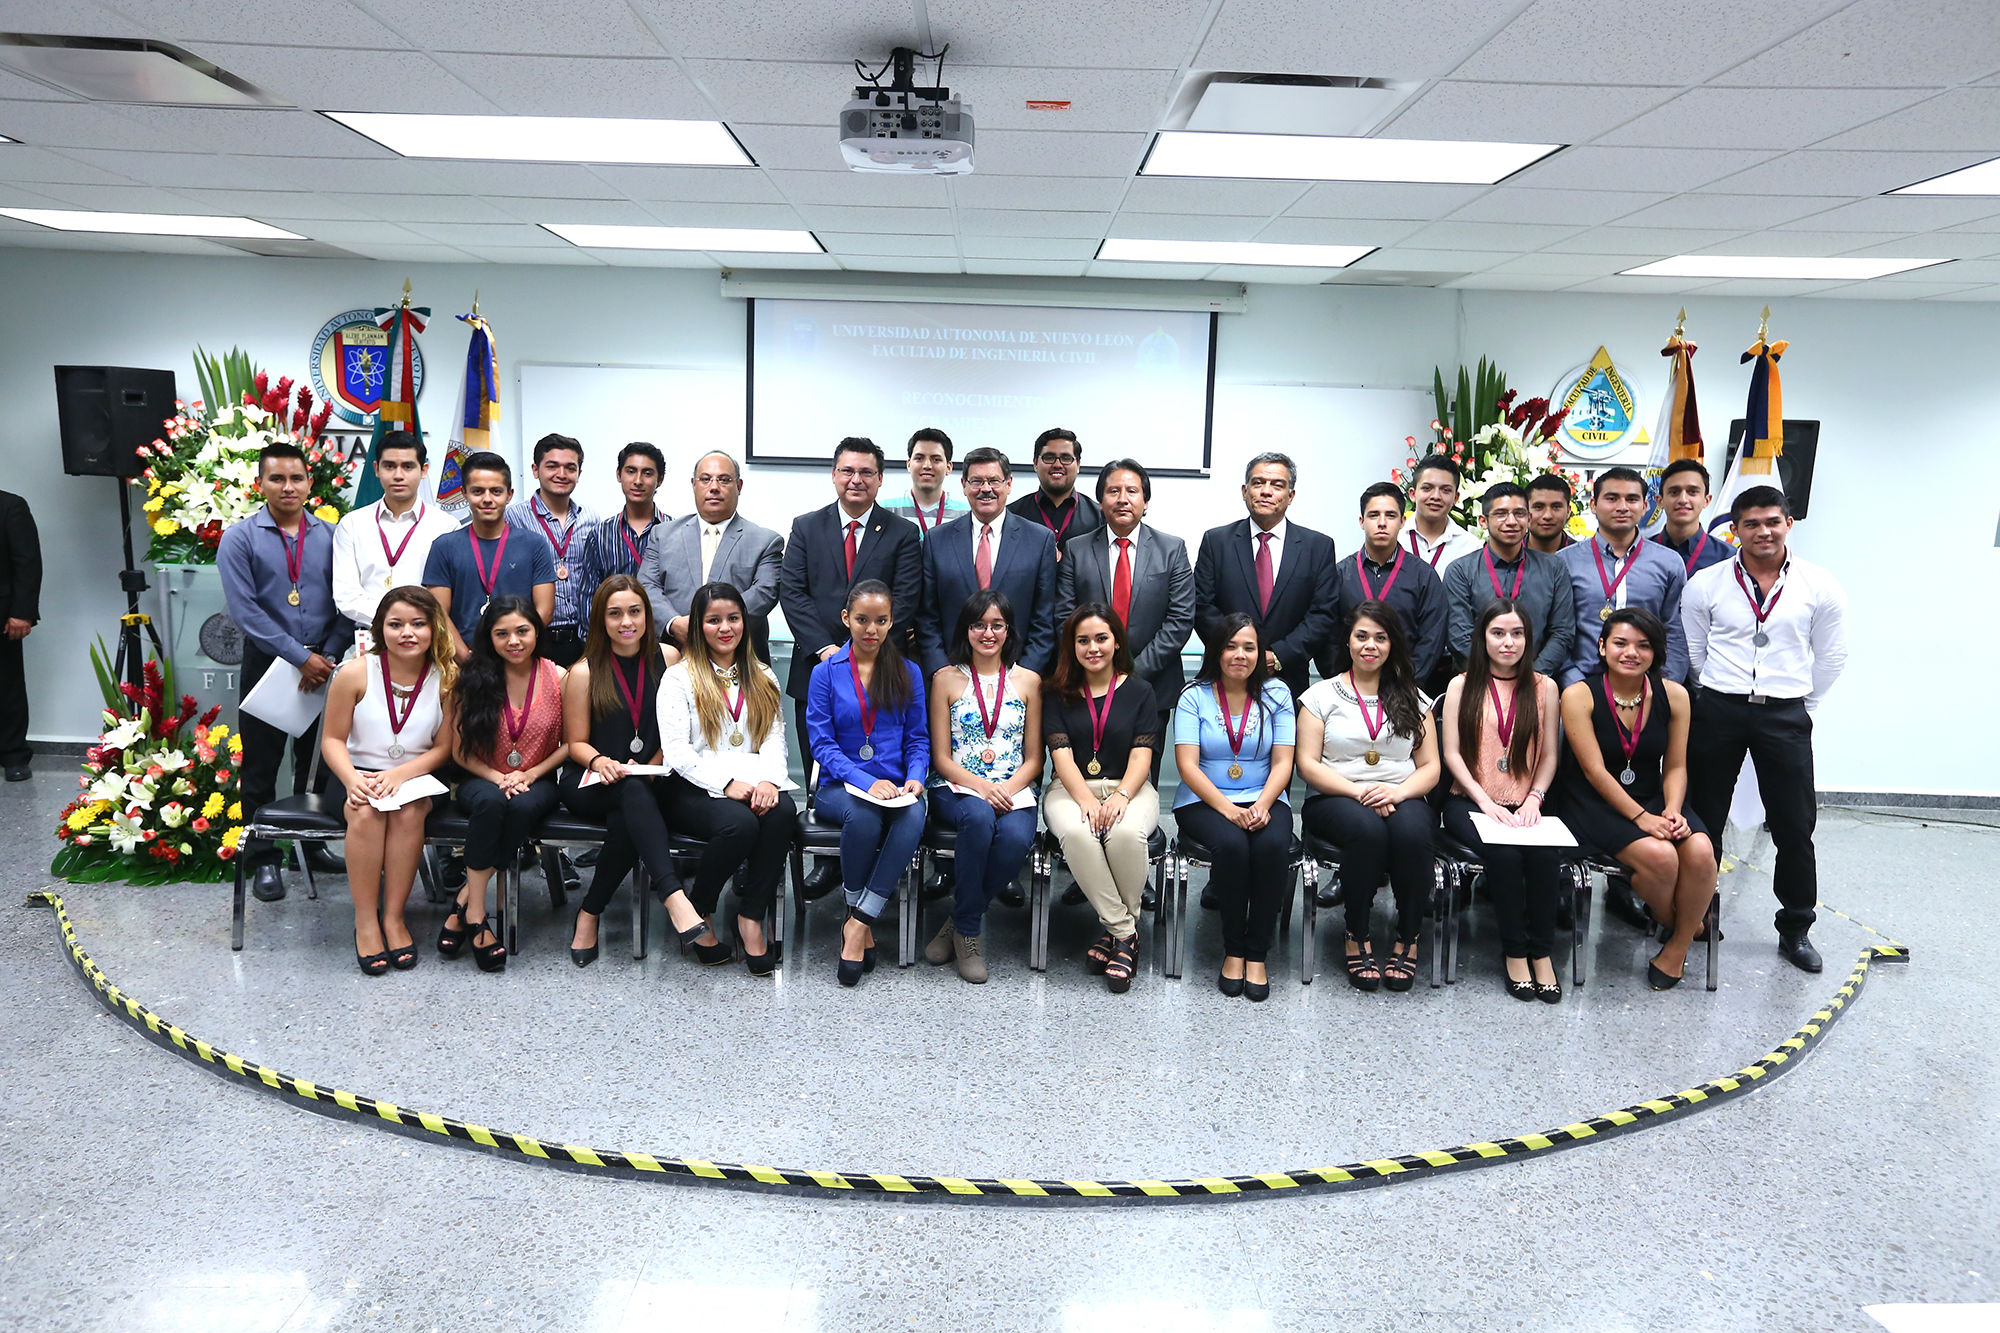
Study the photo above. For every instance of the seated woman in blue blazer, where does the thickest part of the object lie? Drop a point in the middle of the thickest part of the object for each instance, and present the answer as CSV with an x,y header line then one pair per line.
x,y
866,727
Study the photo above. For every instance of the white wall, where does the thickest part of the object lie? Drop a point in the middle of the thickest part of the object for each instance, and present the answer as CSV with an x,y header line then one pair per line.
x,y
1904,500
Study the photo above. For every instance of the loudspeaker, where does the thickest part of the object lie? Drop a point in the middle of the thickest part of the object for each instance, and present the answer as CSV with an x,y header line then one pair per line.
x,y
1795,465
106,413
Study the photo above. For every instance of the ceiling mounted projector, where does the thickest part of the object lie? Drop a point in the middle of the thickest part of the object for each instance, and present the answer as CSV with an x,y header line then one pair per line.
x,y
905,129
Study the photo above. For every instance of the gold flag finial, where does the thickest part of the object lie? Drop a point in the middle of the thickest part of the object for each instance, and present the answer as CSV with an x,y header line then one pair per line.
x,y
406,293
475,301
1681,323
1764,326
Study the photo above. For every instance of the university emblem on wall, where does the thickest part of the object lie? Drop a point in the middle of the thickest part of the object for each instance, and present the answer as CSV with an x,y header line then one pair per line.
x,y
1602,411
350,365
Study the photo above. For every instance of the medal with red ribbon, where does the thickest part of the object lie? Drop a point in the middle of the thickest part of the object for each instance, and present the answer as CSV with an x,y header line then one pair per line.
x,y
398,721
295,557
625,531
1361,572
1609,584
1048,522
1694,552
389,579
991,722
562,547
1761,609
635,699
1235,733
1437,552
867,750
1503,720
1097,725
487,580
516,726
1493,573
735,714
1374,724
936,521
1628,741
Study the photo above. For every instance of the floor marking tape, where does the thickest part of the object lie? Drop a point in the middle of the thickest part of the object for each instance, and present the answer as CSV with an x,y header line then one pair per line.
x,y
334,1103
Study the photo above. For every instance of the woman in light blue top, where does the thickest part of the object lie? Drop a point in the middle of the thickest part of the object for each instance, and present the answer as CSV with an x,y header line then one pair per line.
x,y
1234,731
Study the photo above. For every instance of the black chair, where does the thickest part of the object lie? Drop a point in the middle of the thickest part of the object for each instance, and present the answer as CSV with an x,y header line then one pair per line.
x,y
1319,852
1587,868
1189,854
295,819
1463,869
821,837
1168,912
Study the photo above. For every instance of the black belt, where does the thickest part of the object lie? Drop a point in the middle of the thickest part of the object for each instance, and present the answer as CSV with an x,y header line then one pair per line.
x,y
1752,698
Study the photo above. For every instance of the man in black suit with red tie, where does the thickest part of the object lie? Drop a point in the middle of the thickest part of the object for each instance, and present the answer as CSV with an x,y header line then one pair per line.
x,y
830,551
1279,573
20,608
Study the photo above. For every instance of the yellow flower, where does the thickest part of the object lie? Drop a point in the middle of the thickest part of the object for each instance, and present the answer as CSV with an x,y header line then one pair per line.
x,y
216,734
1578,527
213,805
236,810
166,527
236,745
80,819
154,505
327,514
232,837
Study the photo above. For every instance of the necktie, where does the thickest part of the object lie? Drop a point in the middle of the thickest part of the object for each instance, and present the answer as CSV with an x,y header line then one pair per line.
x,y
710,536
1121,583
982,562
852,528
1264,574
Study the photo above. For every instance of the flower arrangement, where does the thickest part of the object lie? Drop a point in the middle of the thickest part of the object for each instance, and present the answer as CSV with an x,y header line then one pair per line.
x,y
159,800
1518,445
201,474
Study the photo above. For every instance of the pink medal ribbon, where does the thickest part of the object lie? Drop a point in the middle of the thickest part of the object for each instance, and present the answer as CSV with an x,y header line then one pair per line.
x,y
487,580
1361,572
1610,585
1762,610
1493,573
991,722
1628,741
1503,719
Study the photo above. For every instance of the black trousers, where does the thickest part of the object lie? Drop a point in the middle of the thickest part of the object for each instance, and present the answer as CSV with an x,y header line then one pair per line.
x,y
565,645
1251,872
734,838
1372,846
1778,738
1524,883
264,753
498,827
635,830
14,705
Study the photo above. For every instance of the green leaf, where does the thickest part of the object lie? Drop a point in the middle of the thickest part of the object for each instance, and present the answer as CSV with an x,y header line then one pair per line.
x,y
1462,409
1438,394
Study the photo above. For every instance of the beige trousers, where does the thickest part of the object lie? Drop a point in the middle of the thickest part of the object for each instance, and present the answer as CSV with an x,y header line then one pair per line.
x,y
1111,871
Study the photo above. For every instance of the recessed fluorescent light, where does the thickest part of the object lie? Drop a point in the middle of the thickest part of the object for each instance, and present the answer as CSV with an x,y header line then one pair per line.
x,y
150,224
1981,179
1232,252
1775,266
684,143
1325,158
741,240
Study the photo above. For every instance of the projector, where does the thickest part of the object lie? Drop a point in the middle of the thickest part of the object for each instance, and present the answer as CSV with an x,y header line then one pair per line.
x,y
906,129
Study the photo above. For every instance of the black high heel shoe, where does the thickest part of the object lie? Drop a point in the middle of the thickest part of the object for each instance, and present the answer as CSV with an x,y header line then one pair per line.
x,y
490,957
1548,992
371,964
583,957
1661,980
451,943
1520,990
758,964
851,969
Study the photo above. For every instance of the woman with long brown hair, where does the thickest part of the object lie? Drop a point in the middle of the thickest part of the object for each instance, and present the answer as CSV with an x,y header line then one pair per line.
x,y
1500,746
722,731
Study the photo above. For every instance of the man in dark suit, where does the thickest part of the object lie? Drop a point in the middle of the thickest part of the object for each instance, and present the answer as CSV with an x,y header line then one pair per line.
x,y
1279,573
1143,574
20,607
1054,503
989,548
831,550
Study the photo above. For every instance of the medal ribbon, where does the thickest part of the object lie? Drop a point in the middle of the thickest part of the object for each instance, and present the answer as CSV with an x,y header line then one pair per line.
x,y
1381,718
514,728
295,552
396,724
1437,552
922,526
1361,572
1486,552
992,724
1047,522
1762,610
1098,724
634,699
625,531
861,697
1503,718
569,533
1695,554
736,704
487,580
1242,728
1610,586
397,554
1628,741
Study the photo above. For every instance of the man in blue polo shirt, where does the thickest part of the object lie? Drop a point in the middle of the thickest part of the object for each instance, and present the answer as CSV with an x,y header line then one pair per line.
x,y
468,568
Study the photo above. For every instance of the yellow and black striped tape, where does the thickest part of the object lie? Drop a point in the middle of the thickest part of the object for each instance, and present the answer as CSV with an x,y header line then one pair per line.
x,y
575,1157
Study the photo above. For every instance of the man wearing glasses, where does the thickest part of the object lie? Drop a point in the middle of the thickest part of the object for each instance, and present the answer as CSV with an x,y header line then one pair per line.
x,y
714,544
990,548
1055,504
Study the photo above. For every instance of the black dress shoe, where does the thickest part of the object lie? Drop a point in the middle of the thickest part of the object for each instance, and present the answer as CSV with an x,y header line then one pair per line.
x,y
1073,896
1008,895
1148,900
18,773
1256,991
1798,950
588,856
939,886
1230,986
1621,902
269,884
824,879
322,860
1328,896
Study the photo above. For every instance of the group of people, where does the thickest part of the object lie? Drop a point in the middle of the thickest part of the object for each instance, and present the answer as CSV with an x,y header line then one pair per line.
x,y
970,663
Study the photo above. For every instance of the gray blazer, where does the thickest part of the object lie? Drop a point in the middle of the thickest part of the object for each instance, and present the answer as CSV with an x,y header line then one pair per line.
x,y
1162,599
747,556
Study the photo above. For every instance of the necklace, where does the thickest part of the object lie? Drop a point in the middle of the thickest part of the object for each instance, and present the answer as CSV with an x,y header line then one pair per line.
x,y
1629,703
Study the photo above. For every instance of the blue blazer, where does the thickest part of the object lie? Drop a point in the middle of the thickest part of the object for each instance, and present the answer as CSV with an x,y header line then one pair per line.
x,y
1025,571
902,740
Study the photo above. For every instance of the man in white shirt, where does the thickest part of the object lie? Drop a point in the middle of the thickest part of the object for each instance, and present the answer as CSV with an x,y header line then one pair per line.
x,y
385,544
1432,537
1767,636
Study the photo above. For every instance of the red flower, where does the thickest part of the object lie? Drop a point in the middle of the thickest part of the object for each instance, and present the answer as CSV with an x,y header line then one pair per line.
x,y
305,398
285,390
1552,423
1506,399
222,775
263,383
226,853
200,825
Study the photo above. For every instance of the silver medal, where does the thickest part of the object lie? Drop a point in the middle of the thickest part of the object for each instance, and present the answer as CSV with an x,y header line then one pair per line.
x,y
636,743
395,749
1628,777
736,738
1760,638
867,751
513,758
1503,763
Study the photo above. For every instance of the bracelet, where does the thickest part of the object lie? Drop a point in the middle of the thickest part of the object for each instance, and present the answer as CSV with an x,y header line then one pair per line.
x,y
1538,793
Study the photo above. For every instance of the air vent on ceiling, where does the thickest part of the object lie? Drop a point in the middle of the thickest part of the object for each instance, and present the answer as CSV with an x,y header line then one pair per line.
x,y
279,248
135,70
1296,103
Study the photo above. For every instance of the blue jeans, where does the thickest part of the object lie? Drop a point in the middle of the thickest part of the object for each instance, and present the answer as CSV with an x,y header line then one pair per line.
x,y
990,851
876,846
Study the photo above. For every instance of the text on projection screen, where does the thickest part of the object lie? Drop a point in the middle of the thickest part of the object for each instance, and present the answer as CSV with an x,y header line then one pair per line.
x,y
1128,382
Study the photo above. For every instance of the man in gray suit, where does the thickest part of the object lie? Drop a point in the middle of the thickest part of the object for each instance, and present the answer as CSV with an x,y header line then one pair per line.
x,y
714,544
1142,573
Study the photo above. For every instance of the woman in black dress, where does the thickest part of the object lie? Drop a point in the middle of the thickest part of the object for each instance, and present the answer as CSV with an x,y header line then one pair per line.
x,y
1628,730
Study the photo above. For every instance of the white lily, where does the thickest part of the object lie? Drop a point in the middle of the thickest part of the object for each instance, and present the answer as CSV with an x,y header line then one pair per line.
x,y
110,787
125,833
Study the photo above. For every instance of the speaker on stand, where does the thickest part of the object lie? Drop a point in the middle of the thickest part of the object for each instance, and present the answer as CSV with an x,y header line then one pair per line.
x,y
105,414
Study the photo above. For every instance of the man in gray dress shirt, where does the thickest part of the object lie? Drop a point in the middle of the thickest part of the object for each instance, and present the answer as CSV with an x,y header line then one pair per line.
x,y
714,544
1506,567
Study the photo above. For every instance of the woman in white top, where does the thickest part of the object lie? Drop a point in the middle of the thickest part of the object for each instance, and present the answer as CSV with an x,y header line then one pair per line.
x,y
722,731
983,710
388,721
1367,751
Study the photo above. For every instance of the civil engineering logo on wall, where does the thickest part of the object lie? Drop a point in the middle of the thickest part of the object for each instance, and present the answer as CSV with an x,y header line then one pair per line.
x,y
350,365
1602,411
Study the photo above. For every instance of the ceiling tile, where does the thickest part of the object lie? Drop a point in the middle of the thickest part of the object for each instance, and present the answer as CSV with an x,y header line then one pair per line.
x,y
363,80
1364,199
418,254
129,198
486,233
870,188
776,92
1768,289
1276,274
78,125
1100,194
1510,282
1042,268
1991,224
25,163
1027,247
412,175
566,255
1119,268
582,86
1641,240
1759,117
269,204
323,23
761,259
1418,39
262,132
1521,112
659,258
419,207
1100,99
898,243
1027,153
546,27
792,147
194,170
355,236
1883,44
1659,169
778,216
1337,231
1907,291
1643,286
1683,42
1814,171
1230,198
1971,294
1569,267
1184,227
1133,34
834,217
1964,118
1980,251
899,264
722,185
1779,241
612,212
782,29
1741,211
1903,213
1583,208
1030,222
1411,259
1510,236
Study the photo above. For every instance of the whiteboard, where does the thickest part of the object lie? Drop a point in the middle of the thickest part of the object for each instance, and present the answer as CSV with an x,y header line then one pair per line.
x,y
685,410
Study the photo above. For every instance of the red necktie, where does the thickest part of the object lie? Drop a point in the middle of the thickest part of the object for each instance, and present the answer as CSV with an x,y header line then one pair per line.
x,y
1265,579
982,562
851,529
1121,583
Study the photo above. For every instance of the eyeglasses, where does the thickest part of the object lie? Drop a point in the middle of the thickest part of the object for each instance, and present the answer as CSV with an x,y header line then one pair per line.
x,y
856,473
1056,458
984,487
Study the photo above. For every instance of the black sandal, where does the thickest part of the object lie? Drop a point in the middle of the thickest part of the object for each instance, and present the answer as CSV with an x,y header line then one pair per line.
x,y
405,958
1123,964
1363,972
451,943
1099,955
371,964
1399,972
490,957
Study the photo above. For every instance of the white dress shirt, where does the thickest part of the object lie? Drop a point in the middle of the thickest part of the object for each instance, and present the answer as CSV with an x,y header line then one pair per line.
x,y
1807,627
1277,544
866,519
1111,540
1439,554
993,547
361,569
685,750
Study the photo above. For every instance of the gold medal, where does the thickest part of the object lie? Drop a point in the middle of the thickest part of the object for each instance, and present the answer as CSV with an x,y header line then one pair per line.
x,y
1373,757
388,581
1605,612
736,738
1235,771
293,597
1093,768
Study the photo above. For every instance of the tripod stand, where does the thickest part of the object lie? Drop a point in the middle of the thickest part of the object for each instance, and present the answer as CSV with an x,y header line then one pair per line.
x,y
131,655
